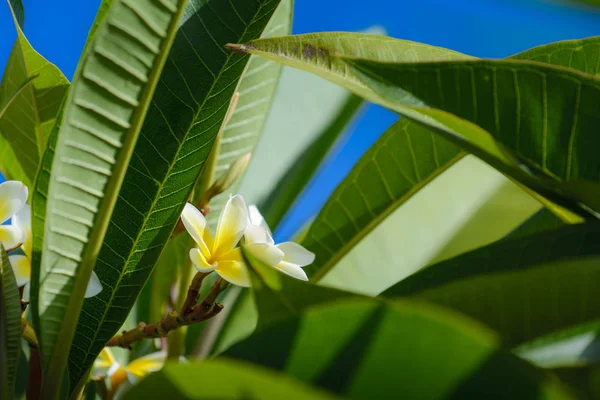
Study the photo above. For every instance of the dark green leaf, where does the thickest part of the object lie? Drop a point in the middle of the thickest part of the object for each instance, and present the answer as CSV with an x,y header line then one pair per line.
x,y
222,379
535,110
18,11
102,117
278,296
350,347
10,327
186,113
524,287
543,220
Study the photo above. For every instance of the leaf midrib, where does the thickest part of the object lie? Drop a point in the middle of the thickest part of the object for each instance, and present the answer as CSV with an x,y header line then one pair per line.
x,y
162,184
374,222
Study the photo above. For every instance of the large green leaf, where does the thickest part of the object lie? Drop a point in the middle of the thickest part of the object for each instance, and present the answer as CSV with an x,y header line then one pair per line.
x,y
256,90
223,379
350,346
467,206
320,54
28,120
535,110
186,113
524,287
102,117
10,327
402,161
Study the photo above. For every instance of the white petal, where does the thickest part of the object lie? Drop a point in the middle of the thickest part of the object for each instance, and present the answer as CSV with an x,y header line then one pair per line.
x,y
200,262
26,291
22,220
144,365
94,286
21,267
196,225
257,234
267,254
296,254
256,217
13,195
292,270
231,226
11,237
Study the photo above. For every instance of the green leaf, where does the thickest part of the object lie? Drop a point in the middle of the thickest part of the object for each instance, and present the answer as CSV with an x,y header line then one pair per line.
x,y
501,97
575,346
347,347
322,53
580,54
403,160
286,191
523,288
222,379
542,221
102,117
186,113
10,327
467,206
256,90
18,11
28,120
278,296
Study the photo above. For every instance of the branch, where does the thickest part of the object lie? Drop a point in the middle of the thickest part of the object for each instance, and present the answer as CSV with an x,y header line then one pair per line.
x,y
191,313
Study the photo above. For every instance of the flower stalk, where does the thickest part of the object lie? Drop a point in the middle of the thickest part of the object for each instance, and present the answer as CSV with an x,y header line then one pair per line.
x,y
191,313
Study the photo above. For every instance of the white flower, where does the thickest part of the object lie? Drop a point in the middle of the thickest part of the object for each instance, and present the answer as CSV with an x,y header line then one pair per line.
x,y
294,255
219,253
21,263
13,195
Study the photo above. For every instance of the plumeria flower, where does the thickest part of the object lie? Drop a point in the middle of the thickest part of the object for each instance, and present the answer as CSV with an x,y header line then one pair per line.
x,y
13,195
120,375
219,252
294,255
21,263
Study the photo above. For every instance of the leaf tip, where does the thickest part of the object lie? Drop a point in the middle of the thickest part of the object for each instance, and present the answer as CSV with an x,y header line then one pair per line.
x,y
237,48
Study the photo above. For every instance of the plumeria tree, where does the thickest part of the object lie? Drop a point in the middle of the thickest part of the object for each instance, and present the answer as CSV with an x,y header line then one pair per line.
x,y
137,250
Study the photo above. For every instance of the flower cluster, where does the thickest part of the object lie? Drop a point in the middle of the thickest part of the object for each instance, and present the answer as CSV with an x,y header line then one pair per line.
x,y
13,206
220,252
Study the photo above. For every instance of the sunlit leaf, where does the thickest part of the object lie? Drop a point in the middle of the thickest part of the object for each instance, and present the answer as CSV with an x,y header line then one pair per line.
x,y
102,117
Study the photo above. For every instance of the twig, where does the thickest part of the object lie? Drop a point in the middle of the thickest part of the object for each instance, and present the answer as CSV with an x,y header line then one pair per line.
x,y
193,314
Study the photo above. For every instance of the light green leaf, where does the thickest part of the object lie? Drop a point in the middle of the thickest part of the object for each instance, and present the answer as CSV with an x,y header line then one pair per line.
x,y
467,206
403,160
301,171
10,327
102,117
28,120
347,347
223,379
582,54
186,113
523,288
256,90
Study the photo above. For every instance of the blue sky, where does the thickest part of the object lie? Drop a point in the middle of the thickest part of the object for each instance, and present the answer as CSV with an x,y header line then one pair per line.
x,y
484,28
